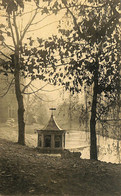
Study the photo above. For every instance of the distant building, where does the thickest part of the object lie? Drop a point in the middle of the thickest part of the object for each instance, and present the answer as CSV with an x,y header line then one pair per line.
x,y
8,102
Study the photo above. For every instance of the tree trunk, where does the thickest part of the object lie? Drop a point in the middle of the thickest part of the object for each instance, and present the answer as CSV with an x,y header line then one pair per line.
x,y
93,139
21,124
118,106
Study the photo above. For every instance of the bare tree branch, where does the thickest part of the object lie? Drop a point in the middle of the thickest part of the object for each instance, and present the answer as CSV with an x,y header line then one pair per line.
x,y
8,46
41,20
28,25
26,86
28,12
41,98
16,28
11,83
11,30
42,26
48,90
5,55
35,90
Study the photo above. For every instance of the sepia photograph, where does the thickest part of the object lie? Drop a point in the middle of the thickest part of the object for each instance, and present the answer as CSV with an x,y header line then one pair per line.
x,y
60,97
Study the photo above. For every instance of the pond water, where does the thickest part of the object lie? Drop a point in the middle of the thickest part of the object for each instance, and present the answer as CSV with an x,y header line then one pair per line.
x,y
109,150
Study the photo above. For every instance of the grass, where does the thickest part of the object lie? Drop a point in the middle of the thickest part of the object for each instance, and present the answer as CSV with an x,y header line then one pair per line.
x,y
11,133
23,171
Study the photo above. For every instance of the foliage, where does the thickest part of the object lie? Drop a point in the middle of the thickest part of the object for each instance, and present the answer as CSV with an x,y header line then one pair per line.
x,y
14,5
93,36
16,30
87,53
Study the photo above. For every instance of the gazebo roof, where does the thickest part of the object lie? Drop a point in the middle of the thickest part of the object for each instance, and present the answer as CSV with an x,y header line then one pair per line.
x,y
52,125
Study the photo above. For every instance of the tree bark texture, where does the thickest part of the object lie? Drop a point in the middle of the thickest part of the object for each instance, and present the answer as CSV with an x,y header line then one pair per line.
x,y
21,124
93,139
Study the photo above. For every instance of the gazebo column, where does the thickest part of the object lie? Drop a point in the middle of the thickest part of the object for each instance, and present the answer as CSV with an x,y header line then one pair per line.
x,y
63,140
42,140
52,141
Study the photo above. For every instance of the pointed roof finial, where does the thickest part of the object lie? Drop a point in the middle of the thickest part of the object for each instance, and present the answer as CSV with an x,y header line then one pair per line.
x,y
52,109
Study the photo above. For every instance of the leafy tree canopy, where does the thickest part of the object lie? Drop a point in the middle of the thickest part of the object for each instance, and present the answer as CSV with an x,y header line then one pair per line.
x,y
12,5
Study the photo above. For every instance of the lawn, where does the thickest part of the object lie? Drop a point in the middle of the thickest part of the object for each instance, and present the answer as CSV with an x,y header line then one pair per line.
x,y
11,133
23,171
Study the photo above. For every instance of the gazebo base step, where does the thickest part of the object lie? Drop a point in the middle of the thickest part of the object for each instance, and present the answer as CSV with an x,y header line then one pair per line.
x,y
49,151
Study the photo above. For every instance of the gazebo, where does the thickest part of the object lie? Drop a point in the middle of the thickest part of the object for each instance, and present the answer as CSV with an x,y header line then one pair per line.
x,y
51,139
